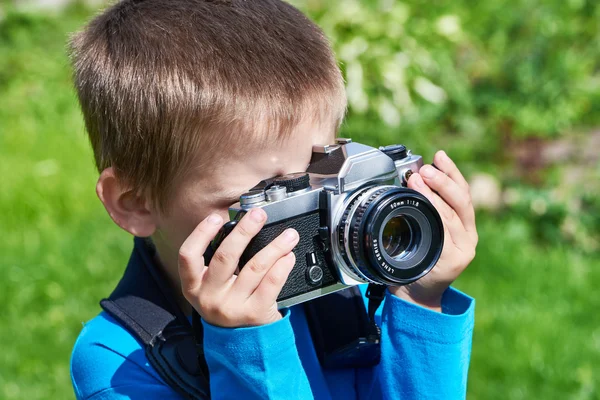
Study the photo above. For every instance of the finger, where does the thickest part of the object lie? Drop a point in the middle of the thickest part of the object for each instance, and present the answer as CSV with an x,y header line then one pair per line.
x,y
447,166
452,193
191,252
226,258
255,269
450,220
449,250
270,286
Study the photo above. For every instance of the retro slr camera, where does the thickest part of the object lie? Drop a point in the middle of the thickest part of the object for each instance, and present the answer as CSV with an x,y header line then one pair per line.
x,y
357,221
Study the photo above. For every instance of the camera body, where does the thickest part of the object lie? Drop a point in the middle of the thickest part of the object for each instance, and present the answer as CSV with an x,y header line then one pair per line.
x,y
357,221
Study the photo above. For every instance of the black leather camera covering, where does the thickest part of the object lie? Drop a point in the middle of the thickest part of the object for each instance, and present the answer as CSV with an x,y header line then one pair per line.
x,y
307,226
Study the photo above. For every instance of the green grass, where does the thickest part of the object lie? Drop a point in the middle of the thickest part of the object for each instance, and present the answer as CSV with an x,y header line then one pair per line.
x,y
537,331
59,252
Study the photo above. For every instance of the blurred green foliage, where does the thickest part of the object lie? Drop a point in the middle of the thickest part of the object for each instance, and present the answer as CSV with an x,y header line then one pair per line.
x,y
476,69
478,79
465,76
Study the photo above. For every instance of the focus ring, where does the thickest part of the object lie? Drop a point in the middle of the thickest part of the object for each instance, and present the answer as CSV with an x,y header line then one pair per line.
x,y
342,237
355,228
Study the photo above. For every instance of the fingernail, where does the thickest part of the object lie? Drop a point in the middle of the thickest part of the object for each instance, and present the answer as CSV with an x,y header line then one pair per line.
x,y
418,180
215,219
427,171
444,156
290,234
258,215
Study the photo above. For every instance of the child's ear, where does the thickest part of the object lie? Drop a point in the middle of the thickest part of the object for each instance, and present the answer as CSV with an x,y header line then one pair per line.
x,y
130,211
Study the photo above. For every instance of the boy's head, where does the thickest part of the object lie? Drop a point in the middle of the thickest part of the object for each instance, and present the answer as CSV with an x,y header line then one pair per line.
x,y
189,103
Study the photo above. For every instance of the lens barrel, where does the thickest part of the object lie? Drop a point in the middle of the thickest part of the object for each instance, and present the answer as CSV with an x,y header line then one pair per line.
x,y
391,235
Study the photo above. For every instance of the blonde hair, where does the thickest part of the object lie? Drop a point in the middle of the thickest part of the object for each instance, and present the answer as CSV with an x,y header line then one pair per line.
x,y
162,81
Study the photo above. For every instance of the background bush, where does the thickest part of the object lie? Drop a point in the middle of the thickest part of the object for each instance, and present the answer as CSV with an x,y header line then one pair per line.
x,y
509,88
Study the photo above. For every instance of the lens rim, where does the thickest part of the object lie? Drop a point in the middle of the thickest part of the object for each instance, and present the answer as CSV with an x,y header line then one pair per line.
x,y
393,202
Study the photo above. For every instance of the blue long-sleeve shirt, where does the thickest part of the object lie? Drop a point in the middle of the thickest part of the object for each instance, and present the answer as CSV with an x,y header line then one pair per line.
x,y
424,355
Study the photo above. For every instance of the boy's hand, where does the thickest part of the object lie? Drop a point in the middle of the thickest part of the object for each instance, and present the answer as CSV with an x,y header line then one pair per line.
x,y
223,298
453,202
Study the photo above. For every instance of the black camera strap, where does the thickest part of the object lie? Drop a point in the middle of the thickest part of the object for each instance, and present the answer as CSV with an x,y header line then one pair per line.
x,y
375,294
344,334
144,304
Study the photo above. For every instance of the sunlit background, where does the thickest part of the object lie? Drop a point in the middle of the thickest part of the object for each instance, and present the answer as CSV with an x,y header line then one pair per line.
x,y
509,88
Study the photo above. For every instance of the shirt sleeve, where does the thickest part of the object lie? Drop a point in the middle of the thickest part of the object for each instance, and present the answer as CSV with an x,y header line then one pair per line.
x,y
255,362
109,364
424,354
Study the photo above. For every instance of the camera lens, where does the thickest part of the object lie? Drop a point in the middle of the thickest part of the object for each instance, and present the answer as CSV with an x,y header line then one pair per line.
x,y
397,237
390,235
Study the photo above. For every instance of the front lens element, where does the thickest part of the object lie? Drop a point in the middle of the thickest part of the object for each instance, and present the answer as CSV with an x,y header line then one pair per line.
x,y
397,237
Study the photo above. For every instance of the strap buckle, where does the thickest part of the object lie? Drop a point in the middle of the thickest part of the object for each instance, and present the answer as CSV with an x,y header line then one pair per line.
x,y
376,293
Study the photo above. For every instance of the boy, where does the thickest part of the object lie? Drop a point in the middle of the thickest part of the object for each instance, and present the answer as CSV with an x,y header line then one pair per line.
x,y
190,103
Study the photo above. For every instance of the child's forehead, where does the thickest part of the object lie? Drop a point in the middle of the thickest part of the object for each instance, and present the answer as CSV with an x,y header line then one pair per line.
x,y
235,172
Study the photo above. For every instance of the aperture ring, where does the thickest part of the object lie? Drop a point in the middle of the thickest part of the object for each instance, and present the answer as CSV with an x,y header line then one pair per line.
x,y
342,236
354,248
